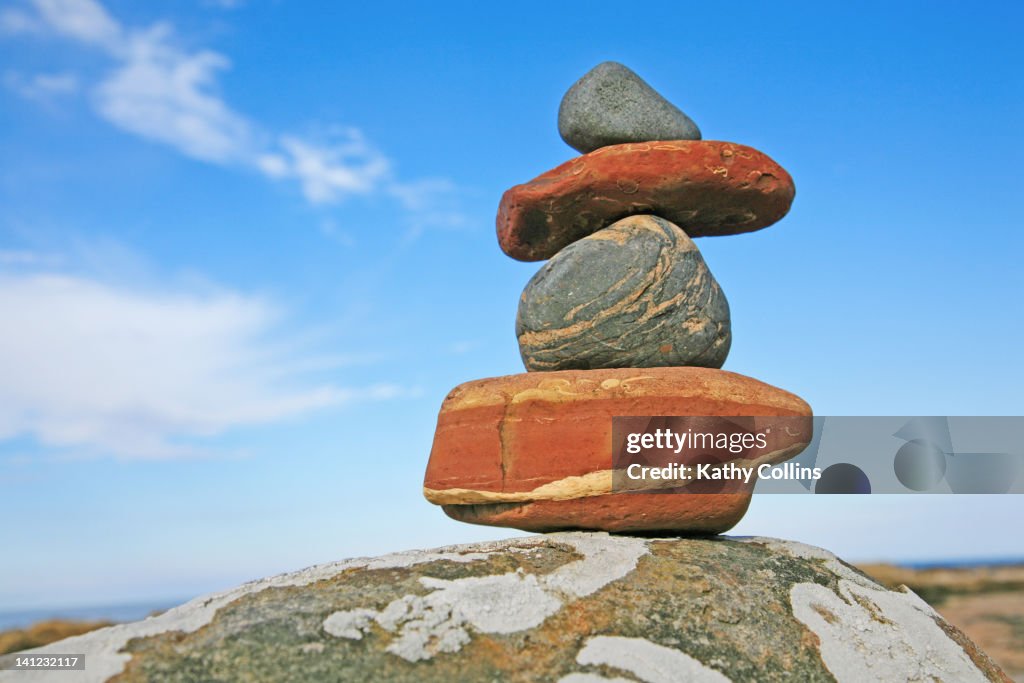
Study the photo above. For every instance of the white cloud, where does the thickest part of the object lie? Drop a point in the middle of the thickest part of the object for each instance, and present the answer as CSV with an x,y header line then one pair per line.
x,y
331,230
158,90
132,372
169,96
463,346
14,21
431,203
328,172
421,195
83,20
225,4
24,257
166,93
41,87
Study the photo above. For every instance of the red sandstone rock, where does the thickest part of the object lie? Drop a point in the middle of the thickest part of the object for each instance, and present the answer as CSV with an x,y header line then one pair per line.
x,y
622,512
534,450
703,186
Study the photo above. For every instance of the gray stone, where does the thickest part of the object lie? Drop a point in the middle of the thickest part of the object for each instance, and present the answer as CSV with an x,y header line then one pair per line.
x,y
636,294
566,607
611,105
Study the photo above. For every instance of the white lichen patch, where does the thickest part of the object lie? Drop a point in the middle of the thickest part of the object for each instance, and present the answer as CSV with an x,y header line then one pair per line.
x,y
605,559
497,604
349,623
424,627
444,619
869,633
647,661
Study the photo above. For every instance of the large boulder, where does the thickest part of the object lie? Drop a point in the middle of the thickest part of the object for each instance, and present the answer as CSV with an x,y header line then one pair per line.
x,y
570,607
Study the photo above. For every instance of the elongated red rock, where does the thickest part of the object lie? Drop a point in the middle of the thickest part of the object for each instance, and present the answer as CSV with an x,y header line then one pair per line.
x,y
534,451
705,187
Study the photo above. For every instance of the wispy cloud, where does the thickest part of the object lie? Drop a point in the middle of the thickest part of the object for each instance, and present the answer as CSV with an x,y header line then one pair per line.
x,y
169,94
157,90
329,171
25,257
225,4
463,346
14,21
41,87
431,203
83,20
145,372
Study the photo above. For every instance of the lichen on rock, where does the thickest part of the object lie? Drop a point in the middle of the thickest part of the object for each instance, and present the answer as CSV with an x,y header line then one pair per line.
x,y
569,607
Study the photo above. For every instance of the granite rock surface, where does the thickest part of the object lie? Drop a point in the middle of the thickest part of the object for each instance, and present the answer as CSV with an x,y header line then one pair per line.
x,y
570,608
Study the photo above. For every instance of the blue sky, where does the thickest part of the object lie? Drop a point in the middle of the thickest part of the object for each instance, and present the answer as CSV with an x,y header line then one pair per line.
x,y
247,247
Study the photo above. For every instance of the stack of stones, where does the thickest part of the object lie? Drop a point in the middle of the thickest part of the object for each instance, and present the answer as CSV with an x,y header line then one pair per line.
x,y
624,319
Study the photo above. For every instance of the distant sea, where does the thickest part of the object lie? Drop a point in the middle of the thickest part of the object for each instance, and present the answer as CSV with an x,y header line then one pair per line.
x,y
962,564
119,613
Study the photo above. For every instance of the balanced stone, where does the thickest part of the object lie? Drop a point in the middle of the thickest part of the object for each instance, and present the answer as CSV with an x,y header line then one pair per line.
x,y
705,187
611,105
534,451
636,294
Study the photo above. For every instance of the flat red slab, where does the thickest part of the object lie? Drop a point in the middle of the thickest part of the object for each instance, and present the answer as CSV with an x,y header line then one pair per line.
x,y
533,450
705,187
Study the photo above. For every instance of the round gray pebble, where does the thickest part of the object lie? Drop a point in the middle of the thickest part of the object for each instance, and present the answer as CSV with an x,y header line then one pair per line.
x,y
611,105
636,294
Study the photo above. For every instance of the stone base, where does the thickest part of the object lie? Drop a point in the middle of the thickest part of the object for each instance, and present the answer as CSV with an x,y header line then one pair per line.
x,y
558,607
533,451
